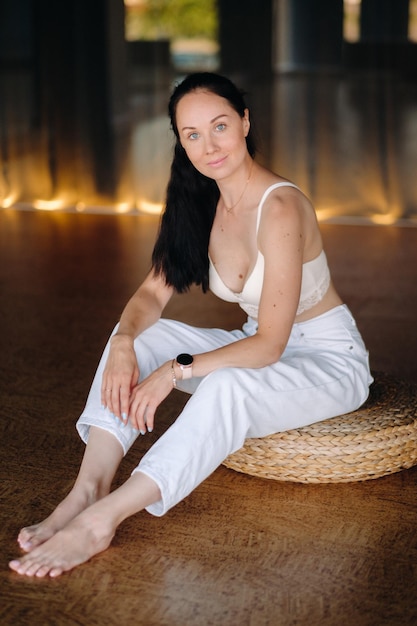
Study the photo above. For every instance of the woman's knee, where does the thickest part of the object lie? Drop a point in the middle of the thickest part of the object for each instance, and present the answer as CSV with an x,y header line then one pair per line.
x,y
224,380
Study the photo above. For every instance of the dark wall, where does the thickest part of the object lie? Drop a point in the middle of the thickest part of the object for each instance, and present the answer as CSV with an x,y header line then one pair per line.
x,y
245,34
384,20
72,56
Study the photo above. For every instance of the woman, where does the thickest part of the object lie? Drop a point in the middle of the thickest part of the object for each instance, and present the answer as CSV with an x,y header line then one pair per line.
x,y
251,237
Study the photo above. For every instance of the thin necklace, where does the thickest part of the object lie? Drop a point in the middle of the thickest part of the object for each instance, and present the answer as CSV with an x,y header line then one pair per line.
x,y
228,209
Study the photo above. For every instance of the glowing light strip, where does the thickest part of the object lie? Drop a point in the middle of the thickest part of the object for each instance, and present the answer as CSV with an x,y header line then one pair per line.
x,y
8,201
153,208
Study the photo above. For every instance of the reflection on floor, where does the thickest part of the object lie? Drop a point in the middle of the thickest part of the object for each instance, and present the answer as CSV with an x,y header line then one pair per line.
x,y
239,550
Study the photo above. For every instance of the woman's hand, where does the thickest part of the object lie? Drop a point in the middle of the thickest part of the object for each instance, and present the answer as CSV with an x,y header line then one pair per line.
x,y
120,375
147,396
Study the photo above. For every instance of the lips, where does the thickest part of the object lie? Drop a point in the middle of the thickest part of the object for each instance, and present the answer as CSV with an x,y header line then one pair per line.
x,y
217,162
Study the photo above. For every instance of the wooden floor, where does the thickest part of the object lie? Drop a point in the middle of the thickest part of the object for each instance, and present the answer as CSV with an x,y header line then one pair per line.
x,y
240,551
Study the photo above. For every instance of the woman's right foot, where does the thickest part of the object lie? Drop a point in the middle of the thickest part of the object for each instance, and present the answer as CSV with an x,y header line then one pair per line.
x,y
32,536
86,535
92,484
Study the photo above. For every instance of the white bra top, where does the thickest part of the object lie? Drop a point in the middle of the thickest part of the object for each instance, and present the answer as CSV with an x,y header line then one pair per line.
x,y
314,283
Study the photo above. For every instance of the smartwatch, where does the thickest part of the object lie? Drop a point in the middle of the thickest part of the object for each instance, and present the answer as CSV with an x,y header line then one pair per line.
x,y
185,363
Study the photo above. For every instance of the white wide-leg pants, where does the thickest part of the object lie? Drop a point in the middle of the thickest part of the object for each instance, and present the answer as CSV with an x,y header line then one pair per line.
x,y
323,372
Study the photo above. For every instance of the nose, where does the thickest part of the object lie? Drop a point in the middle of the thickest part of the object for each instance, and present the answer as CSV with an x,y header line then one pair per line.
x,y
210,144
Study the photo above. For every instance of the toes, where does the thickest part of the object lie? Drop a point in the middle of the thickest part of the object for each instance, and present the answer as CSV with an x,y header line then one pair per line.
x,y
22,567
25,545
14,565
55,571
42,571
33,536
25,538
29,567
27,531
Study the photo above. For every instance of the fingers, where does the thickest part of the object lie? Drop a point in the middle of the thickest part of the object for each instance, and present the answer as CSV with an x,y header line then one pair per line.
x,y
141,414
104,389
124,396
127,405
120,375
116,400
136,402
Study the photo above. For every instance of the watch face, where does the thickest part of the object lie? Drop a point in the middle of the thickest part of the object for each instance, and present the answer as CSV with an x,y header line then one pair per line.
x,y
185,359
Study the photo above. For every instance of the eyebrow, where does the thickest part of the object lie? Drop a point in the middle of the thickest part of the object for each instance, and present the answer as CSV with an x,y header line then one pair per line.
x,y
211,121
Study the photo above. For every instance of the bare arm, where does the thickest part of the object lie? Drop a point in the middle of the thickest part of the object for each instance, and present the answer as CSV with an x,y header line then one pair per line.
x,y
121,372
281,241
145,307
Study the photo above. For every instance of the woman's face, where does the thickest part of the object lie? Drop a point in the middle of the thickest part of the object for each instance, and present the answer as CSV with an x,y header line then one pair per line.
x,y
212,133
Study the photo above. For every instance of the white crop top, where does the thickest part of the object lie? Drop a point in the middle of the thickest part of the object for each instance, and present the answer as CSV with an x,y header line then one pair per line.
x,y
314,283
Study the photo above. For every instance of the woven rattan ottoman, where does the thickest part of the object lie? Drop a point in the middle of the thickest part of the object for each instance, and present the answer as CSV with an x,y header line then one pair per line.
x,y
378,439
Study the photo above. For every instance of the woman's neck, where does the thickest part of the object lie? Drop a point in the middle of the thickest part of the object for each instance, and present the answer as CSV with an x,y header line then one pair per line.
x,y
232,192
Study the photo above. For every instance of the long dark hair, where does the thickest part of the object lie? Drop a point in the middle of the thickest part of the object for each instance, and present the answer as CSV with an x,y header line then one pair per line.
x,y
181,249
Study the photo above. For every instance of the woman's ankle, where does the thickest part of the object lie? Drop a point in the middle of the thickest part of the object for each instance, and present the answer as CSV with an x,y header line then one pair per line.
x,y
88,492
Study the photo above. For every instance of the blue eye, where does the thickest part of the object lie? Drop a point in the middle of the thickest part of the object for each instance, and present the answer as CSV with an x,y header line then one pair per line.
x,y
193,136
221,127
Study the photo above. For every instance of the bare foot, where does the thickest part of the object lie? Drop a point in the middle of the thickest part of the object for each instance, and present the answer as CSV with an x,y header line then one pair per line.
x,y
91,531
76,501
86,535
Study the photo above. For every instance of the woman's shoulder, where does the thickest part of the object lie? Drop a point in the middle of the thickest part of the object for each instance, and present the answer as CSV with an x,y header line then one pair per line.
x,y
272,186
278,194
283,205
